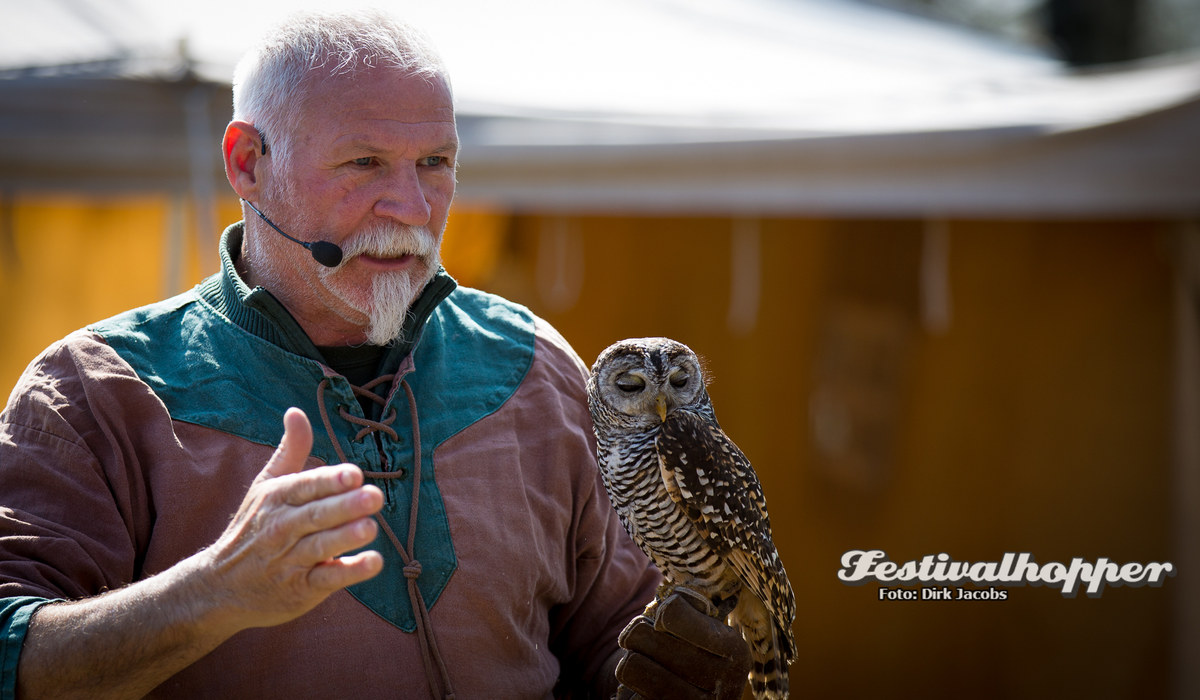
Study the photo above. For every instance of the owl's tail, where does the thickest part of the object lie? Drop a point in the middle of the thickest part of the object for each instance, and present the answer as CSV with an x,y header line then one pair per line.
x,y
768,650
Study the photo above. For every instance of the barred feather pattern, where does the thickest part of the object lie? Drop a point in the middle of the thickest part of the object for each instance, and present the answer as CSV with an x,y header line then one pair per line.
x,y
689,497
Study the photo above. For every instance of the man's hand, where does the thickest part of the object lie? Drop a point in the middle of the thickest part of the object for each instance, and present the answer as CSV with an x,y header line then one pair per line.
x,y
682,653
279,557
281,554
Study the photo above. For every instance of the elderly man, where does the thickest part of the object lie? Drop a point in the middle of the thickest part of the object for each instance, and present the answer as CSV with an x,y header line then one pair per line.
x,y
440,531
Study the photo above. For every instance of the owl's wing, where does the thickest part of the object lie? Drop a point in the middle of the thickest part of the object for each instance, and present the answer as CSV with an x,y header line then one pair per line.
x,y
713,481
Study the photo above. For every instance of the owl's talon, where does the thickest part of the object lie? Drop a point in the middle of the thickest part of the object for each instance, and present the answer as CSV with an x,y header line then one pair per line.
x,y
706,606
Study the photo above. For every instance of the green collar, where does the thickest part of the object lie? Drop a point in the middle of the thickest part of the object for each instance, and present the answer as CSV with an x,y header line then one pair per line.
x,y
257,311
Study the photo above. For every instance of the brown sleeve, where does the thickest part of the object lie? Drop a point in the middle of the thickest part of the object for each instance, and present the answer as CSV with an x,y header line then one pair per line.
x,y
74,510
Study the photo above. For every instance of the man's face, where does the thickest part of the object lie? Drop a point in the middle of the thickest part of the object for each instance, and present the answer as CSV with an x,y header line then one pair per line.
x,y
372,170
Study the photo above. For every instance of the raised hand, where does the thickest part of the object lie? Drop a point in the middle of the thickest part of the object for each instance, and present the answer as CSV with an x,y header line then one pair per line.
x,y
282,553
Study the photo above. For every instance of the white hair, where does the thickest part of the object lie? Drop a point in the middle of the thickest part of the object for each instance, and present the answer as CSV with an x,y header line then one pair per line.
x,y
269,83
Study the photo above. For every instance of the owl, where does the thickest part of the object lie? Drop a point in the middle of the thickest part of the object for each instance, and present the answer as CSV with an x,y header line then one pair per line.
x,y
689,498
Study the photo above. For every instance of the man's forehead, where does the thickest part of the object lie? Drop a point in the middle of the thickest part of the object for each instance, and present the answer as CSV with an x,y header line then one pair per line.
x,y
377,102
382,91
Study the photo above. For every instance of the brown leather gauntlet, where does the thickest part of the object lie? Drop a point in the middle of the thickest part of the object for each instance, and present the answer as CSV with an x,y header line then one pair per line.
x,y
681,654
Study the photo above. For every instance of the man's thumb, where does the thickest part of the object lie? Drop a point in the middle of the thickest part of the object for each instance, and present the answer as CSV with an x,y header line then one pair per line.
x,y
293,449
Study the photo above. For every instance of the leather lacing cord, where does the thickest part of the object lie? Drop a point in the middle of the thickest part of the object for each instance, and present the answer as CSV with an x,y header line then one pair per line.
x,y
435,667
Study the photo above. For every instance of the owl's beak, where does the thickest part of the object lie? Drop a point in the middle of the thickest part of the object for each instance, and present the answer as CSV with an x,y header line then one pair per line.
x,y
660,403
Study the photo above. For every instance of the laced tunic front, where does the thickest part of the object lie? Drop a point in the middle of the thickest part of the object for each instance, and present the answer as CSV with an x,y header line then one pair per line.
x,y
430,655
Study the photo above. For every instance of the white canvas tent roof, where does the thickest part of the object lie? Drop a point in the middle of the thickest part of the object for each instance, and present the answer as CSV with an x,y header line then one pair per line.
x,y
758,105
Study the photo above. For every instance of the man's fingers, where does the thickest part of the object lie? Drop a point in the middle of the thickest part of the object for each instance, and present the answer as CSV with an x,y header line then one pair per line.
x,y
321,482
338,573
293,449
329,543
328,525
331,501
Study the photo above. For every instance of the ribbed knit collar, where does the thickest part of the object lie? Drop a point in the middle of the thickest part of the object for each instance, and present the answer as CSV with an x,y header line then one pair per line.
x,y
257,311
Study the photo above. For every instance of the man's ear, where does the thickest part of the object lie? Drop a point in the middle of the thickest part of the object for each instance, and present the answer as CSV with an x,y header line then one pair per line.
x,y
242,148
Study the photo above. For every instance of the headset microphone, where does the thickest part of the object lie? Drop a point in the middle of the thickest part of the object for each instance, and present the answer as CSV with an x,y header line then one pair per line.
x,y
324,252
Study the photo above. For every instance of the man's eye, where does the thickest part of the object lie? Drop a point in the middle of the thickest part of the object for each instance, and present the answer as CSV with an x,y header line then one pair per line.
x,y
363,162
433,161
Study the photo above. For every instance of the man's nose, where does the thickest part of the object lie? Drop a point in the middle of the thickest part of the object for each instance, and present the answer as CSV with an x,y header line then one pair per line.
x,y
403,199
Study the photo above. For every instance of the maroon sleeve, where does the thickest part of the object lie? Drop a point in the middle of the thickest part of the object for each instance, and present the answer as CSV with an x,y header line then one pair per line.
x,y
74,510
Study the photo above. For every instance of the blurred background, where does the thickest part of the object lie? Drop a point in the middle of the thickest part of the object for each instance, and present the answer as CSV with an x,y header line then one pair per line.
x,y
942,258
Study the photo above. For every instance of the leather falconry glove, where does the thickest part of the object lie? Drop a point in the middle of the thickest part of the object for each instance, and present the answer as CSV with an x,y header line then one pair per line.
x,y
682,654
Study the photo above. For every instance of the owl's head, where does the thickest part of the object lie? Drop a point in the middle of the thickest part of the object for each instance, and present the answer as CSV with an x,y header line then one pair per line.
x,y
644,379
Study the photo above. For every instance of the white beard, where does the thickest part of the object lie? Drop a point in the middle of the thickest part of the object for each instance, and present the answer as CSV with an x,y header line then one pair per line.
x,y
392,294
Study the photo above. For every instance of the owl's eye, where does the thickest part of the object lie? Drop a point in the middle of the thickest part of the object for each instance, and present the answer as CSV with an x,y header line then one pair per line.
x,y
679,379
630,383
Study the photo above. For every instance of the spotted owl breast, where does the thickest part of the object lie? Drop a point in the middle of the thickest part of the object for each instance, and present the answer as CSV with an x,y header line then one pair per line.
x,y
655,522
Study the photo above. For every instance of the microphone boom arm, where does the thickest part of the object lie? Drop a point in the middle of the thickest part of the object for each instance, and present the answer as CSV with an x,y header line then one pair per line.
x,y
324,252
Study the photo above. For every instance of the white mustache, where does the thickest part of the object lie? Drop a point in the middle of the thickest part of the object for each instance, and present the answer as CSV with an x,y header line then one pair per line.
x,y
391,241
